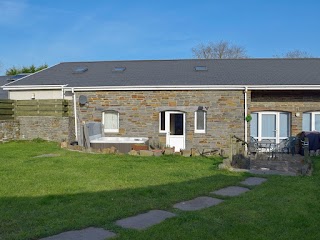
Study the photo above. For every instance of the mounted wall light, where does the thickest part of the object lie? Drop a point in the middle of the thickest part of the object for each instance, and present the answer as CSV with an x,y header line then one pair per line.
x,y
33,96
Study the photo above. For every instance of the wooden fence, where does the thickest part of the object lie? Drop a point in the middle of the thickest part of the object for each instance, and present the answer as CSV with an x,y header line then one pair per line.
x,y
10,109
6,109
54,107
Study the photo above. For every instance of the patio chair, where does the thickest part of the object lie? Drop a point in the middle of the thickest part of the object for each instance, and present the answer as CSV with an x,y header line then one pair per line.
x,y
253,146
285,146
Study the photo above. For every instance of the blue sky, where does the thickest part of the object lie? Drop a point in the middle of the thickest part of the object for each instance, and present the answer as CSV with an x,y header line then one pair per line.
x,y
39,31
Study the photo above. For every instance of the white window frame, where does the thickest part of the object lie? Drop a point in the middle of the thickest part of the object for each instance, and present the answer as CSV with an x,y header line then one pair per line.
x,y
277,137
313,120
196,120
109,130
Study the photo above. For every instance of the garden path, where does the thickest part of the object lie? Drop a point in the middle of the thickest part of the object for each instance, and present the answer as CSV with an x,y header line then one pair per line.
x,y
153,217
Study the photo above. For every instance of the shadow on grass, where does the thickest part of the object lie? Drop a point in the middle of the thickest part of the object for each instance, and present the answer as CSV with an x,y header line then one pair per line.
x,y
36,217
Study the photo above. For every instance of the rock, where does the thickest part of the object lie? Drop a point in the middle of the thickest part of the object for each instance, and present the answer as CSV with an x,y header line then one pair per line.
x,y
146,153
113,150
133,153
106,150
157,153
194,152
168,151
186,153
77,147
304,169
312,153
64,145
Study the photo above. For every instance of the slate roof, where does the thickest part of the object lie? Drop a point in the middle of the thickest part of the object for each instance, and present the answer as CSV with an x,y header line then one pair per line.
x,y
181,72
3,94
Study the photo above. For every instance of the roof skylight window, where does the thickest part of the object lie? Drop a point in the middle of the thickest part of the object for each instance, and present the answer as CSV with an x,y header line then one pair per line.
x,y
119,69
80,69
201,68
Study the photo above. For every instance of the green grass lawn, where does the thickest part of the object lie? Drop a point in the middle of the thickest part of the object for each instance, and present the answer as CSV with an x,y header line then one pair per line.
x,y
40,197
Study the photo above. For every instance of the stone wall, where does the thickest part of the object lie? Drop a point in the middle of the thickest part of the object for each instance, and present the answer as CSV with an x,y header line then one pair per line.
x,y
9,130
48,128
287,101
139,113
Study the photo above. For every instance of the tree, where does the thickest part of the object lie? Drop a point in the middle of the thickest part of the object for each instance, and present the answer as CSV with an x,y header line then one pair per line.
x,y
295,54
219,50
31,69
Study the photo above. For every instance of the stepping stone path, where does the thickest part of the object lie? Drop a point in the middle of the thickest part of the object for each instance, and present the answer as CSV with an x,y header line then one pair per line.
x,y
197,203
231,191
153,217
253,181
84,234
145,220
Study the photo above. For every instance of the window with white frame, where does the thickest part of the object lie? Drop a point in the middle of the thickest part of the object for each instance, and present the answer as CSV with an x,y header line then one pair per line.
x,y
267,125
110,121
311,121
200,121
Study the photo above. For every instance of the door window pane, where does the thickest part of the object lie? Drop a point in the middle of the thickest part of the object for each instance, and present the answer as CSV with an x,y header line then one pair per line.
x,y
176,124
254,125
268,125
306,122
284,125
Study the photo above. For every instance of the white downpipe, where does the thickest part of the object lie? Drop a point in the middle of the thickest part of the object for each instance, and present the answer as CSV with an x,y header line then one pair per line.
x,y
245,115
62,92
75,114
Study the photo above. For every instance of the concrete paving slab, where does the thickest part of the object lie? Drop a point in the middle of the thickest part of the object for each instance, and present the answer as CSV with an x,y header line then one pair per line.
x,y
84,234
231,191
145,220
253,181
197,203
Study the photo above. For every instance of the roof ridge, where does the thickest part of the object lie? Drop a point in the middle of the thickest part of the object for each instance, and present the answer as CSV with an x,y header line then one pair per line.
x,y
191,59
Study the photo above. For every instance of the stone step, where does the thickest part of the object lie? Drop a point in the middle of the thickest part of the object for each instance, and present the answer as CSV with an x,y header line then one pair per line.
x,y
231,191
253,181
145,220
197,203
84,234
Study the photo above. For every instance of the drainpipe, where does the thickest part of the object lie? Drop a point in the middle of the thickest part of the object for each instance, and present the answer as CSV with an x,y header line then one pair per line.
x,y
75,113
245,115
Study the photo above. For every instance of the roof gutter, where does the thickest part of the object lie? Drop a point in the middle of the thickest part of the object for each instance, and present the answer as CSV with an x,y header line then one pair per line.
x,y
197,87
165,87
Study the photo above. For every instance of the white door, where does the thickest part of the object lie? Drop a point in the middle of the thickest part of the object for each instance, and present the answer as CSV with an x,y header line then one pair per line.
x,y
273,126
175,125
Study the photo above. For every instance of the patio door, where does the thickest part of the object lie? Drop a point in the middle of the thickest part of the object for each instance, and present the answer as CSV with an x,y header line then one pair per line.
x,y
273,126
175,124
